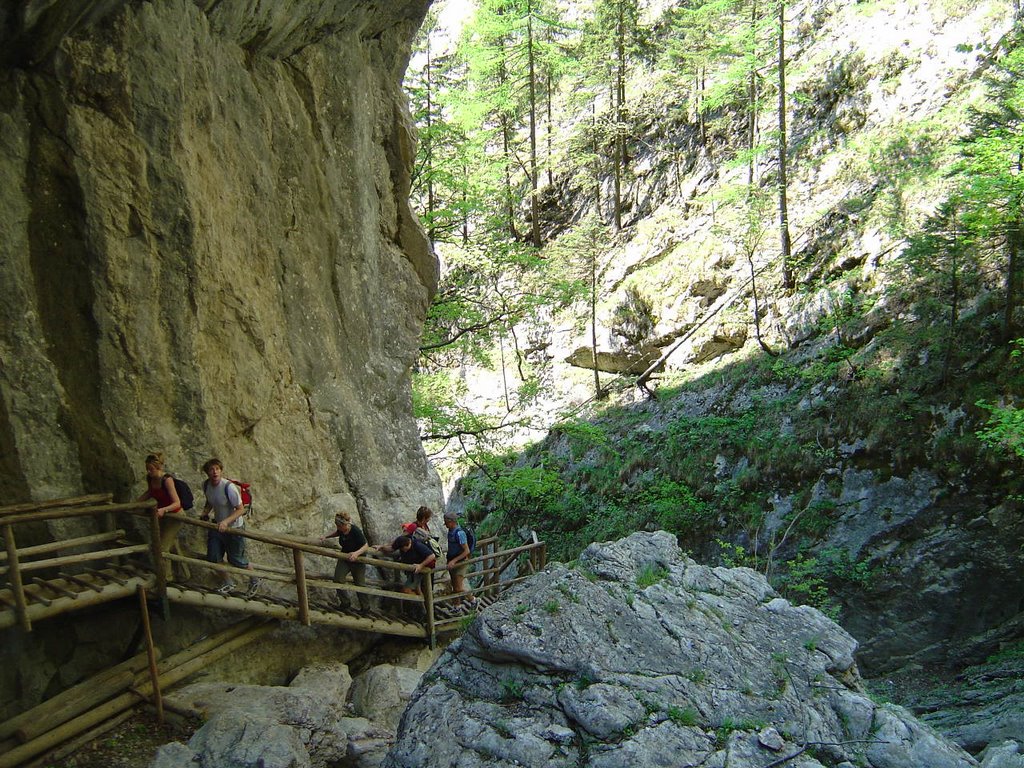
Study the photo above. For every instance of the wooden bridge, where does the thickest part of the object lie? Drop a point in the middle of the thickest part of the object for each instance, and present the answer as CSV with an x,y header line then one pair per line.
x,y
58,577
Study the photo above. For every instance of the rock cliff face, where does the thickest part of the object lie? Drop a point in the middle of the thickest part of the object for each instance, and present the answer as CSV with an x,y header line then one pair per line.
x,y
207,250
642,657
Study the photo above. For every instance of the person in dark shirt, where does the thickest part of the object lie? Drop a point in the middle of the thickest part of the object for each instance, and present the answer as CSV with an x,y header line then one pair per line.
x,y
413,552
353,543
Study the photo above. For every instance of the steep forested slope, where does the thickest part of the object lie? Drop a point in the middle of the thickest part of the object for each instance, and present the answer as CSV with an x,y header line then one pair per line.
x,y
834,401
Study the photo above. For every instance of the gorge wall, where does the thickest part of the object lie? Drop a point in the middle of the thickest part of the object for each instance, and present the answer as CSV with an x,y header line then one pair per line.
x,y
207,249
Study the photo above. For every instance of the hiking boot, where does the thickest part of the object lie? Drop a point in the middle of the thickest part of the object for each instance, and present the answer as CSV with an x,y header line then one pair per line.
x,y
254,587
226,589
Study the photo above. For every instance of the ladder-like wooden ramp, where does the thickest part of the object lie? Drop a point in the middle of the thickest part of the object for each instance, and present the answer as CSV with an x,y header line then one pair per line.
x,y
103,566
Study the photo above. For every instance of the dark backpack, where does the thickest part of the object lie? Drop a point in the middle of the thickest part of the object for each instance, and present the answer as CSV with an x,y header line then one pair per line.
x,y
470,537
184,493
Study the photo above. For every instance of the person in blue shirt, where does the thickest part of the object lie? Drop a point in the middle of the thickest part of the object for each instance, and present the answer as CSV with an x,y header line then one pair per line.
x,y
413,552
458,553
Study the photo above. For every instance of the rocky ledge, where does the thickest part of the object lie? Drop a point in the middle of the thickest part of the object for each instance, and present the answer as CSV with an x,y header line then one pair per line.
x,y
640,656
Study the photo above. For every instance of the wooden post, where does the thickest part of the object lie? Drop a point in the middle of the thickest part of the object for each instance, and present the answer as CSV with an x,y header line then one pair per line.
x,y
15,578
300,586
159,566
158,700
428,605
543,554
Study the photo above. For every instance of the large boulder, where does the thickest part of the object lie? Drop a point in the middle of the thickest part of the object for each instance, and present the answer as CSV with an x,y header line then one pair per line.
x,y
640,656
306,723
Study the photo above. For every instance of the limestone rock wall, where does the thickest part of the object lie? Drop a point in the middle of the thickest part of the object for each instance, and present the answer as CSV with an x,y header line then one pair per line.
x,y
206,249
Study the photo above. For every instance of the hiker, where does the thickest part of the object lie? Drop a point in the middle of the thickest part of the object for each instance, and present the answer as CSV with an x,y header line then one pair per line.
x,y
459,551
160,485
224,500
420,531
353,542
413,552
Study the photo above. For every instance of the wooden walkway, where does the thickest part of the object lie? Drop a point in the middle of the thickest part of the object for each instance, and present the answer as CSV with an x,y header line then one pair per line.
x,y
57,577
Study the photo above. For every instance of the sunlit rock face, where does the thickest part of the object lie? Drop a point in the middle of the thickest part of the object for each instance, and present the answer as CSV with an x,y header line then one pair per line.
x,y
639,656
207,250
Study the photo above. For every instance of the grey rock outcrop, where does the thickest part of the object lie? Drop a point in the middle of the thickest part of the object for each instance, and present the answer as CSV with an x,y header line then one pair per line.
x,y
640,656
306,723
208,249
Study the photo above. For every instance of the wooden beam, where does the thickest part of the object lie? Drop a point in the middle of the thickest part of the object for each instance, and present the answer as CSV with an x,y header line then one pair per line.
x,y
92,696
84,557
18,590
46,711
82,582
68,748
151,656
56,546
55,514
74,501
120,703
300,587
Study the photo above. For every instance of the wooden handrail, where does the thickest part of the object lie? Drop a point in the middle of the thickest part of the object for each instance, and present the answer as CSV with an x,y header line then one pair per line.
x,y
56,546
65,512
75,501
497,561
84,557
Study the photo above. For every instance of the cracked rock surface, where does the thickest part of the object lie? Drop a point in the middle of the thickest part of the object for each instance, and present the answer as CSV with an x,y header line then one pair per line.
x,y
640,656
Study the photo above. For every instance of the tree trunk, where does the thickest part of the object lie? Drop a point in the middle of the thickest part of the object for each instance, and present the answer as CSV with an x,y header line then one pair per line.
x,y
429,149
534,180
786,246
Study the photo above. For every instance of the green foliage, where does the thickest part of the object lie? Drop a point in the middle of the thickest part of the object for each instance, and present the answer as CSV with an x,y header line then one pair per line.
x,y
651,575
512,689
683,717
1011,652
633,320
1004,429
553,607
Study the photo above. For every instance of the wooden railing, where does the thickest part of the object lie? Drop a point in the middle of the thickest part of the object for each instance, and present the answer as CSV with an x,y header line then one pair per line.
x,y
490,570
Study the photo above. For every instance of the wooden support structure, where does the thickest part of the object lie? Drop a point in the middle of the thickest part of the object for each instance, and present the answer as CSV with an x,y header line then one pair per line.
x,y
300,587
74,700
127,700
87,587
154,676
15,578
428,605
56,546
75,501
84,557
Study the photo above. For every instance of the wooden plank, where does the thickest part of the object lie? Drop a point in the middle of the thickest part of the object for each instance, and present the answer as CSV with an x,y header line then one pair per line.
x,y
44,711
56,546
84,557
36,596
68,748
363,622
92,696
81,582
74,501
110,574
119,704
55,514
